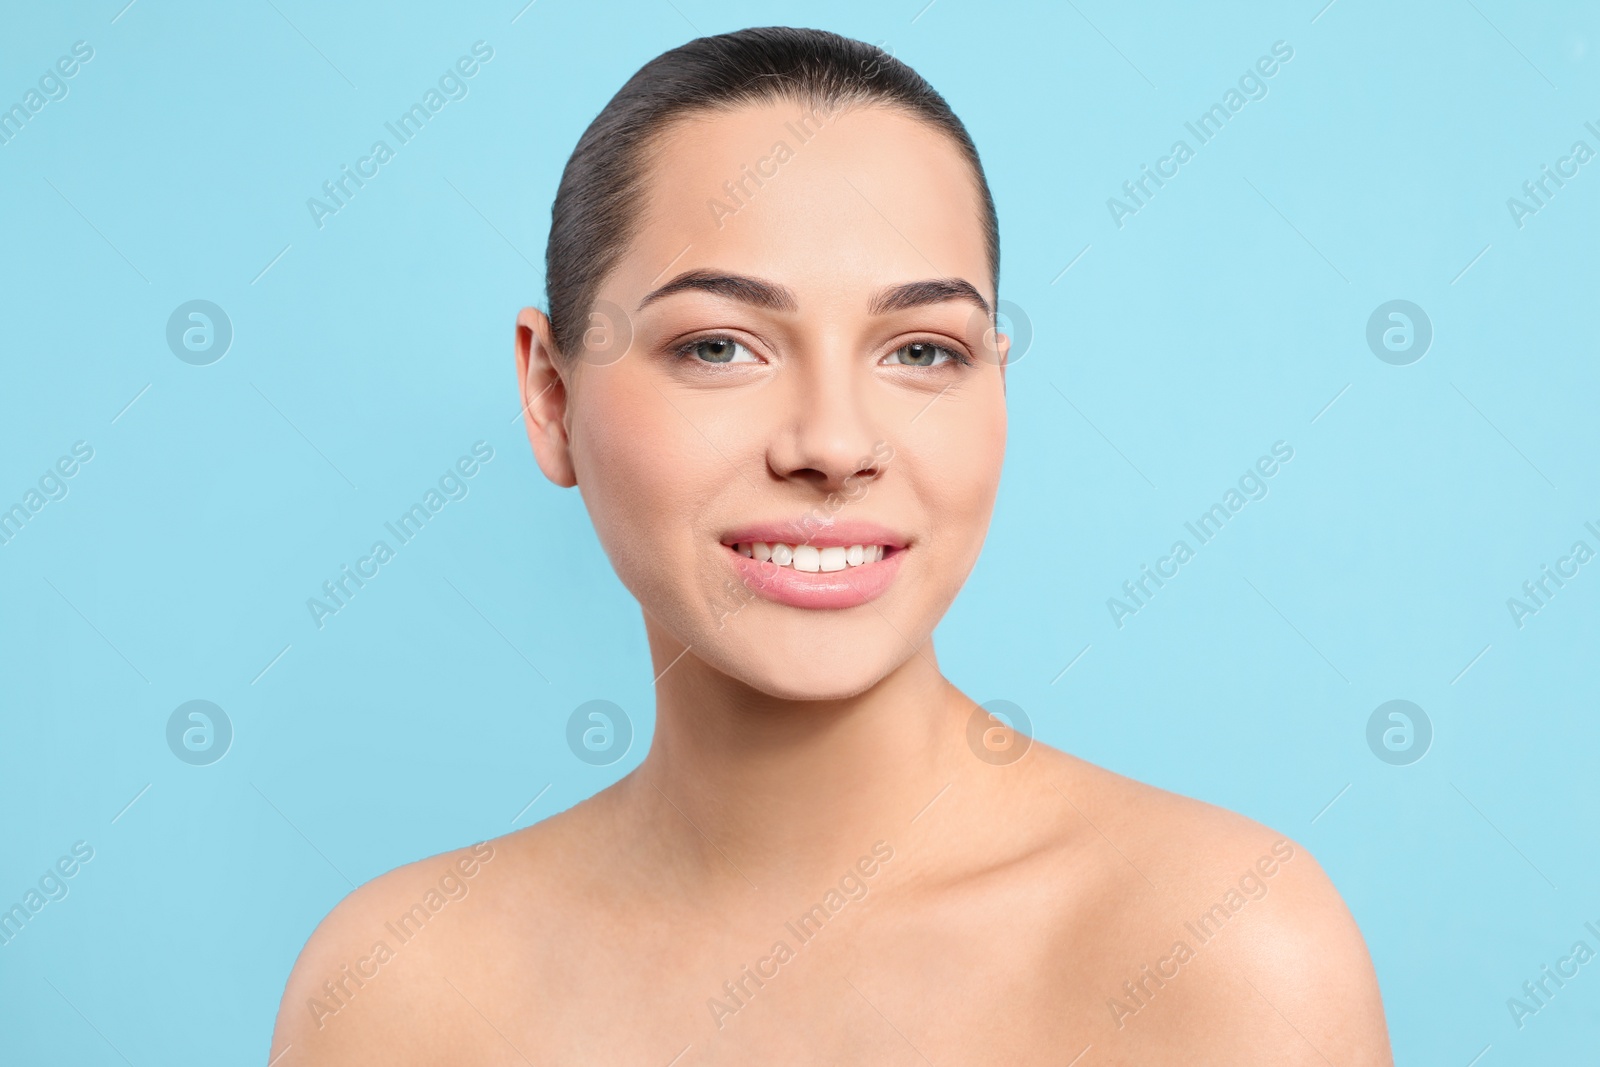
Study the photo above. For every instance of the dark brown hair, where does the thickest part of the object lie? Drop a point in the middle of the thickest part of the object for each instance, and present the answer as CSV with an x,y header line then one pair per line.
x,y
595,214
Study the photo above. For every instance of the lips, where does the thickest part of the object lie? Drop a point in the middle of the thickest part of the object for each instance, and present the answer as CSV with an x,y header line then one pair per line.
x,y
810,564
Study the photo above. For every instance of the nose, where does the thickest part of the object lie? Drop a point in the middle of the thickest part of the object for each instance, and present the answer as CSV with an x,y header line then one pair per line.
x,y
827,438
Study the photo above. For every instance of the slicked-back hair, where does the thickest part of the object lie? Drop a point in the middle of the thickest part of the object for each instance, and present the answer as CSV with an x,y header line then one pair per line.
x,y
597,207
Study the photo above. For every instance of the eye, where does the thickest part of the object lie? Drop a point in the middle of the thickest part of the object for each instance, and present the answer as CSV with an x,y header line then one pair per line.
x,y
716,350
924,354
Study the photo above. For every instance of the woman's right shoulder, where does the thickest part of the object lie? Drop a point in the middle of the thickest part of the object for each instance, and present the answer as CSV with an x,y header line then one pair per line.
x,y
374,980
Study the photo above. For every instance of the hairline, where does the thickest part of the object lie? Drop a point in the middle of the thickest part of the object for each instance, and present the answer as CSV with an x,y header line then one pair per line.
x,y
643,158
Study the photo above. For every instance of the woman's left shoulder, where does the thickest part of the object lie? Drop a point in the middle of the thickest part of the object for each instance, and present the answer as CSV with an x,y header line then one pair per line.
x,y
1252,903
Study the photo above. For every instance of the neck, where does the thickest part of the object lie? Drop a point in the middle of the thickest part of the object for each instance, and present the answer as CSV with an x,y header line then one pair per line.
x,y
753,787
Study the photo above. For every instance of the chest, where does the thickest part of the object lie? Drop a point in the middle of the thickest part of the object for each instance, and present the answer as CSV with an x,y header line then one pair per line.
x,y
865,984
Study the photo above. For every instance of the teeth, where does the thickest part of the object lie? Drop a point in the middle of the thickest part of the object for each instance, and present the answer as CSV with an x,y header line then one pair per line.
x,y
810,558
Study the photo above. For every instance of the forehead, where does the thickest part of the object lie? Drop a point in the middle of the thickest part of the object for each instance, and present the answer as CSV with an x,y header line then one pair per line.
x,y
824,202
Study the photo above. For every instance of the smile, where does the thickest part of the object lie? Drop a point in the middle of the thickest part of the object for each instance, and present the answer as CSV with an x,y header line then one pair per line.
x,y
812,558
832,566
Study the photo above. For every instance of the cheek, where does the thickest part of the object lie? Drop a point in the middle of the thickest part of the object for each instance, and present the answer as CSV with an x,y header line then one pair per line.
x,y
645,474
960,471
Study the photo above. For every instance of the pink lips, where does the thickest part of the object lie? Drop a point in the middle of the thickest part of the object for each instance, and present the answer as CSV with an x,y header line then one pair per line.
x,y
848,588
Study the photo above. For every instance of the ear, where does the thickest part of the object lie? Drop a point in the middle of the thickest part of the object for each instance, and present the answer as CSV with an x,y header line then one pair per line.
x,y
544,397
1002,343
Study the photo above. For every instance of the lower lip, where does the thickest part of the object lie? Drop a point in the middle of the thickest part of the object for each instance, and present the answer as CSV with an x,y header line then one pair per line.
x,y
848,588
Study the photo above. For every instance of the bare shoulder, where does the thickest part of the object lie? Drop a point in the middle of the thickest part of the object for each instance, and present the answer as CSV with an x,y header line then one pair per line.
x,y
369,962
399,971
1257,946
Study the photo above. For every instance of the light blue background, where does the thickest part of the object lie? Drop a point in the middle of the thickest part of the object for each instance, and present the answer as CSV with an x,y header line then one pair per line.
x,y
1224,316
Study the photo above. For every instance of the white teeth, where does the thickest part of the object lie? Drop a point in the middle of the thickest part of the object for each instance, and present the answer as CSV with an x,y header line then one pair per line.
x,y
810,558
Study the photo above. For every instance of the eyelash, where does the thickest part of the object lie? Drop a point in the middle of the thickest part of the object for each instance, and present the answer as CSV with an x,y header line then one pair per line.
x,y
685,351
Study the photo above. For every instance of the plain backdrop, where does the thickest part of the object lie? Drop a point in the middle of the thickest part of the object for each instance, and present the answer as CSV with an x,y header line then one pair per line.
x,y
1167,353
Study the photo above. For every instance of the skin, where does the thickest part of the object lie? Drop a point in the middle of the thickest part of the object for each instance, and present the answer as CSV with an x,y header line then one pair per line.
x,y
1009,898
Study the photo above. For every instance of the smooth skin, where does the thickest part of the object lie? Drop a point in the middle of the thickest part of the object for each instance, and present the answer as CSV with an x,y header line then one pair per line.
x,y
981,911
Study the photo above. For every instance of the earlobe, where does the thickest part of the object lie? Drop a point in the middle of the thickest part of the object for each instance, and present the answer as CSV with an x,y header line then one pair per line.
x,y
544,396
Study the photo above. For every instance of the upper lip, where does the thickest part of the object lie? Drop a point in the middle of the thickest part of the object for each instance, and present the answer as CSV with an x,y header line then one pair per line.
x,y
807,530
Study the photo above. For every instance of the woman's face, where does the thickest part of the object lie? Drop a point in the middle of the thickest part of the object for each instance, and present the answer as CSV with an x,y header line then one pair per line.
x,y
769,365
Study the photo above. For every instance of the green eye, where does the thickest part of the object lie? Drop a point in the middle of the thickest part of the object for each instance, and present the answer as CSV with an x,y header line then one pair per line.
x,y
923,354
717,350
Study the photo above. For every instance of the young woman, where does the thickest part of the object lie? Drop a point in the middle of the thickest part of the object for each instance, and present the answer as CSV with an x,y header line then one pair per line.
x,y
770,366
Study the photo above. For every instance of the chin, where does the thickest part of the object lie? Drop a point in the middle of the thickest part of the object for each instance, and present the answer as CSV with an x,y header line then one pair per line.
x,y
835,664
818,681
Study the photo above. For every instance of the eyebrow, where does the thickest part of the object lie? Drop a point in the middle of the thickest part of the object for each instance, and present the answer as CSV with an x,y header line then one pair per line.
x,y
765,294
